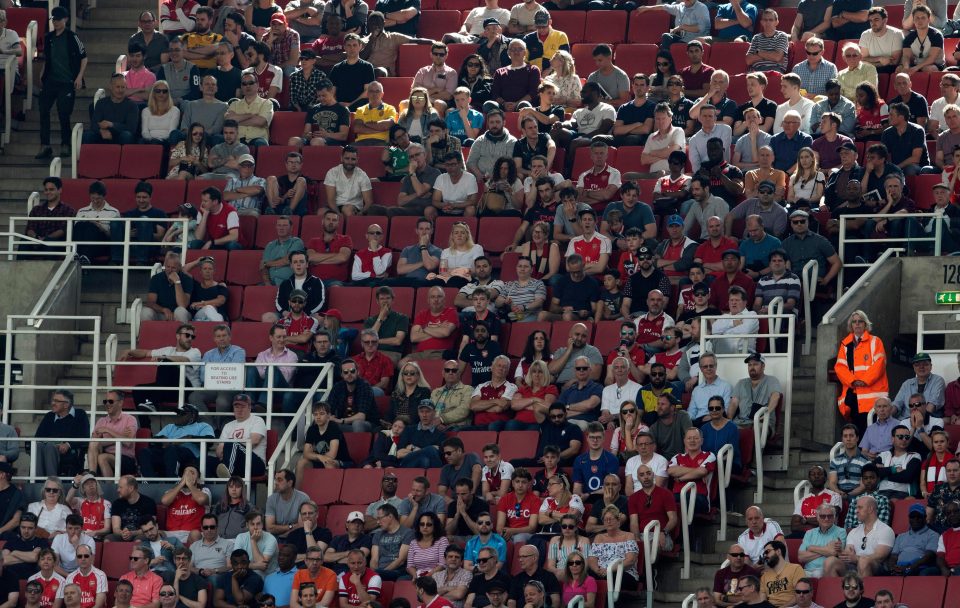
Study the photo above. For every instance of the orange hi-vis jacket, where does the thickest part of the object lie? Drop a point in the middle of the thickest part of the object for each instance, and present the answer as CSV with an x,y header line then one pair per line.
x,y
870,367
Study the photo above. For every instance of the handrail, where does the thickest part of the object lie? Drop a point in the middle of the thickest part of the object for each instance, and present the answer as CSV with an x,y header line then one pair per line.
x,y
32,201
303,412
808,279
651,545
871,416
690,601
775,307
135,307
56,166
835,450
950,328
43,302
724,470
936,238
76,138
614,581
9,79
121,65
110,351
844,297
801,491
688,497
31,55
576,601
761,428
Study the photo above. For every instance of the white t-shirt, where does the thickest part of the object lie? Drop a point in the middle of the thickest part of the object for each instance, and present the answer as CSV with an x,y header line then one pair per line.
x,y
880,535
674,136
753,543
589,120
504,471
887,459
882,46
614,395
9,42
556,178
67,553
349,190
805,189
804,106
456,192
193,371
478,15
657,464
461,259
51,520
254,425
936,113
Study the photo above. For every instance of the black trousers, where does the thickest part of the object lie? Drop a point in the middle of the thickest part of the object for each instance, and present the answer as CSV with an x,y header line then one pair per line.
x,y
64,95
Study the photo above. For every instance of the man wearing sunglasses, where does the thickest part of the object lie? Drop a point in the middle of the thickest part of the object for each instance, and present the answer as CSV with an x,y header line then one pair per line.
x,y
146,584
869,544
453,400
820,550
726,581
489,579
898,467
116,424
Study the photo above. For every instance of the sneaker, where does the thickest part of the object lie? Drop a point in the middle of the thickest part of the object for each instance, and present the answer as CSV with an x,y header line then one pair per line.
x,y
46,153
223,471
146,406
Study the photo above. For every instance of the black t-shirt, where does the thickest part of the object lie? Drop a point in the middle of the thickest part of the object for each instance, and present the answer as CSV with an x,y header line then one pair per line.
x,y
539,213
191,586
686,315
621,503
14,542
228,83
392,6
298,538
205,294
545,127
917,104
479,585
559,436
681,112
342,543
550,585
865,602
480,360
766,107
524,152
476,508
581,295
351,79
131,514
329,118
321,443
11,501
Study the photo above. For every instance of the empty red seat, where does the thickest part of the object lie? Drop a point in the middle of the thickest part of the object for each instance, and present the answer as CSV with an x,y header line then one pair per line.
x,y
115,561
317,160
648,27
283,126
98,161
636,57
728,56
141,161
251,336
363,487
120,193
358,446
234,301
403,231
518,444
628,159
496,233
369,159
258,299
168,194
473,441
76,192
924,592
386,193
352,302
396,88
322,485
605,26
434,24
412,57
243,267
570,23
196,186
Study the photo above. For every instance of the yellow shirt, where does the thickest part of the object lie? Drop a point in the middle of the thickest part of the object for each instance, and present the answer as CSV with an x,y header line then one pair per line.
x,y
368,114
261,106
193,40
850,79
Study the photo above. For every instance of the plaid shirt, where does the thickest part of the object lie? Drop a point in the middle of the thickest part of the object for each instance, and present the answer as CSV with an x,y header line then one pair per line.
x,y
883,510
42,229
303,91
280,49
451,144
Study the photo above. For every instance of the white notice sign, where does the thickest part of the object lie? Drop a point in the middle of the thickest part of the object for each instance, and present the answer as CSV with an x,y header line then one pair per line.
x,y
223,376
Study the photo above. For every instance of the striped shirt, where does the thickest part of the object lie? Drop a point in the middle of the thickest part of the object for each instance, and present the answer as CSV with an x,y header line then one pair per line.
x,y
787,286
524,295
778,42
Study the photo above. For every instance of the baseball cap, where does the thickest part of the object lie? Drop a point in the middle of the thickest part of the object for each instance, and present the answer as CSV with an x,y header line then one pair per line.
x,y
920,357
308,54
755,357
336,314
541,18
768,185
644,251
917,508
940,185
278,18
674,220
188,408
701,288
87,477
390,474
732,252
426,404
59,12
298,293
6,467
491,21
246,158
354,516
847,145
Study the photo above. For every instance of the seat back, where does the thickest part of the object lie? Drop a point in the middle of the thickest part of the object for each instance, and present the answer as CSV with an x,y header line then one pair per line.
x,y
141,161
98,161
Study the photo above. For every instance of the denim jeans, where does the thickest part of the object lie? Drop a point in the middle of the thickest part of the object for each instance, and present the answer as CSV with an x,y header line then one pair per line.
x,y
254,381
424,458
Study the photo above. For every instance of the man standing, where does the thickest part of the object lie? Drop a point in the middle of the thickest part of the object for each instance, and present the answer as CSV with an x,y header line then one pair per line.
x,y
61,78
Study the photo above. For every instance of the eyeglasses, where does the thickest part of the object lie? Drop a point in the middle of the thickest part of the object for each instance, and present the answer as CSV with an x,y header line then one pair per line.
x,y
83,555
798,221
169,594
740,554
851,587
575,562
191,336
161,91
568,527
375,232
483,560
863,543
813,53
208,527
248,83
411,373
801,591
629,410
349,371
109,401
448,453
902,437
473,64
582,368
300,300
52,490
915,406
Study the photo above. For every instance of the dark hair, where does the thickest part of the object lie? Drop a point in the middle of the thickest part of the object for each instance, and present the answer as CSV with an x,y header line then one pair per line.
x,y
870,91
389,509
134,48
213,193
229,122
628,186
602,49
74,520
238,18
703,180
452,442
870,468
879,150
528,352
522,473
463,482
97,187
426,584
206,10
552,449
484,71
56,181
438,123
678,156
261,48
438,530
396,129
777,545
901,108
567,192
511,169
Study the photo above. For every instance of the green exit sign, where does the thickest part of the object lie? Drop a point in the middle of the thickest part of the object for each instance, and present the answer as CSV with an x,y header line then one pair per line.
x,y
948,297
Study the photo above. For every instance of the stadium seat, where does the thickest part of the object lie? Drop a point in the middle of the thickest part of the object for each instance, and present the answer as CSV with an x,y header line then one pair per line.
x,y
98,161
518,444
120,193
457,52
571,23
235,301
921,189
636,57
156,334
583,163
248,230
949,46
258,299
583,55
267,229
196,186
386,193
272,160
432,370
403,231
606,336
648,27
168,194
317,160
336,519
895,15
924,592
434,24
628,159
508,266
369,159
473,441
872,584
900,519
518,339
560,330
496,234
358,446
353,302
322,485
606,26
364,487
18,19
396,89
441,233
953,586
357,225
412,57
405,589
115,561
513,556
141,161
76,192
283,126
773,91
243,267
219,259
251,336
727,56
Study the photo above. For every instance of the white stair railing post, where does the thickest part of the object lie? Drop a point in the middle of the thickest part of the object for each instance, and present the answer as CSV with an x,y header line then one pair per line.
x,y
688,497
724,470
651,546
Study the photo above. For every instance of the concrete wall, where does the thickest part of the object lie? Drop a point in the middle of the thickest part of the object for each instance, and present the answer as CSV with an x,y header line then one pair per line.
x,y
879,298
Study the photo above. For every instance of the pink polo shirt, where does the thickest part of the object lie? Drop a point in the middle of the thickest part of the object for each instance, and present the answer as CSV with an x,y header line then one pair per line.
x,y
124,423
146,588
139,79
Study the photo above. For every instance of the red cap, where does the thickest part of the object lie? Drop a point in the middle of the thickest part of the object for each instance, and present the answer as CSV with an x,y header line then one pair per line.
x,y
279,17
336,314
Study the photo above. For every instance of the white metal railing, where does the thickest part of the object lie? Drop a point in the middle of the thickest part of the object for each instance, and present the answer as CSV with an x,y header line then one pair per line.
x,y
204,442
761,431
576,601
46,298
9,79
688,502
614,581
844,296
125,244
76,139
808,279
724,469
121,65
56,167
925,322
30,40
835,450
650,540
887,240
690,601
801,491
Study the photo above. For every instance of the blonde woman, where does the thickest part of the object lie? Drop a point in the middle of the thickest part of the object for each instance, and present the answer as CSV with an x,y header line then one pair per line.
x,y
51,510
807,182
416,113
623,443
568,542
533,398
86,498
160,118
559,503
563,75
613,544
412,388
456,261
576,581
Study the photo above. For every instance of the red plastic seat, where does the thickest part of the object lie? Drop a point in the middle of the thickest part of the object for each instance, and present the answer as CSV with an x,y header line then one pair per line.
x,y
628,159
605,26
572,24
473,441
248,230
496,233
358,446
728,56
353,302
441,233
412,57
258,299
17,20
336,519
396,89
921,189
405,589
283,126
141,161
518,339
636,57
243,267
508,266
235,301
120,193
98,161
434,24
648,27
403,231
115,561
267,229
872,584
317,160
322,485
364,487
386,193
196,186
252,337
157,334
606,336
924,592
583,55
219,260
457,52
583,163
76,192
357,225
369,159
272,160
518,444
168,194
900,519
403,299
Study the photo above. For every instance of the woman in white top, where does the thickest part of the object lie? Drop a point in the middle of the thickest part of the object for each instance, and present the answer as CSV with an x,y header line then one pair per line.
x,y
51,510
563,75
160,118
456,261
807,181
662,142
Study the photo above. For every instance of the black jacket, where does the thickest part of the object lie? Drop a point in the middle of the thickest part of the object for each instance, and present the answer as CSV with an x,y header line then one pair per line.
x,y
75,49
316,295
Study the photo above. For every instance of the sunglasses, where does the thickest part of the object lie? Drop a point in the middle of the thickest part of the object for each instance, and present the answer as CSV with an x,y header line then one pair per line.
x,y
161,91
483,560
439,54
134,558
813,53
52,490
109,401
581,368
798,221
168,594
569,527
449,370
575,562
916,406
801,591
248,84
375,232
409,373
629,410
741,554
191,336
715,408
473,64
863,543
208,527
902,437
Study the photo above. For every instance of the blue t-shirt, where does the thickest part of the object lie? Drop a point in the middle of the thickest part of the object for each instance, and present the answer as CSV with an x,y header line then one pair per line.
x,y
575,394
638,217
279,585
411,255
756,254
455,123
725,11
590,473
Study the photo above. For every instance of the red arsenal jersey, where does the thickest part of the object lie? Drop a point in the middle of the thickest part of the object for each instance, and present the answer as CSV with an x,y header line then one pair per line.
x,y
184,513
94,514
90,585
51,587
295,327
650,330
704,460
370,579
518,511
